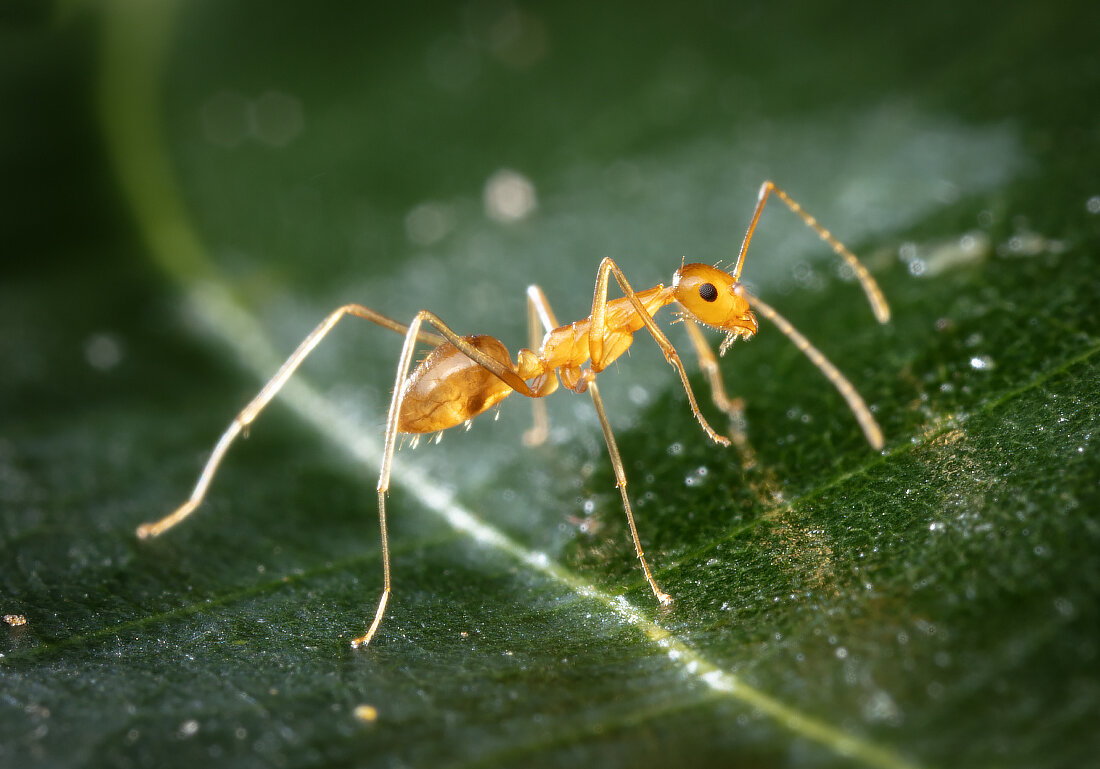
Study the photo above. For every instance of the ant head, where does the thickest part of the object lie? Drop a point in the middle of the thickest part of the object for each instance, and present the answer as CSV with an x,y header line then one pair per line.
x,y
708,295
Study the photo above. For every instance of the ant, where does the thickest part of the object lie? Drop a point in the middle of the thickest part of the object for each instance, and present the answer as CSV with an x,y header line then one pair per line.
x,y
463,376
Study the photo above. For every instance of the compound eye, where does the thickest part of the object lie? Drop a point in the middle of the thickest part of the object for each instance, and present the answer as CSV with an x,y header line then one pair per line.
x,y
707,292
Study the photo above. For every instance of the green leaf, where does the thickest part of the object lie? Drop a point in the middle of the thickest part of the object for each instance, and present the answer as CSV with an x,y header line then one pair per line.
x,y
934,604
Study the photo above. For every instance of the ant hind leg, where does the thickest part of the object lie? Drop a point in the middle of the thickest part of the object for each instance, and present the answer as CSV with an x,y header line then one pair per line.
x,y
245,418
393,416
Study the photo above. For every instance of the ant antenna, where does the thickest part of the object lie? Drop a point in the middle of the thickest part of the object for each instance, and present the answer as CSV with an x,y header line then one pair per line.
x,y
856,403
874,294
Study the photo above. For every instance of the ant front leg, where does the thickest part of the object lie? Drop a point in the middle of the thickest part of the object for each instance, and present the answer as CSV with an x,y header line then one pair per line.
x,y
734,408
598,331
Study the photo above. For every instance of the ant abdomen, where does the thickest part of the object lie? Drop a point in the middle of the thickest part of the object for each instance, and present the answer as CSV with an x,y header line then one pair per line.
x,y
449,388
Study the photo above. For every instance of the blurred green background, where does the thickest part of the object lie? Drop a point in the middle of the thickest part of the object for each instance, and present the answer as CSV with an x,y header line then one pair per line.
x,y
190,187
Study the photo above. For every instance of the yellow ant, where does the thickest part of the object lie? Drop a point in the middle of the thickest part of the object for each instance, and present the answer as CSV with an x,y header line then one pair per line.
x,y
464,376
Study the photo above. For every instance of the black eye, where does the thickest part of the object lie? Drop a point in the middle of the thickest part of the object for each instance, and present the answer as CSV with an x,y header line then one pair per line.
x,y
707,292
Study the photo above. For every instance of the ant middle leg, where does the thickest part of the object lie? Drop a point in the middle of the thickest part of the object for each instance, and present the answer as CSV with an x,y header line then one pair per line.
x,y
539,316
620,481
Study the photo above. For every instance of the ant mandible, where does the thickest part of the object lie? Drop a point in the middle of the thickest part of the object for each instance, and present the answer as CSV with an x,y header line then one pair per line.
x,y
464,376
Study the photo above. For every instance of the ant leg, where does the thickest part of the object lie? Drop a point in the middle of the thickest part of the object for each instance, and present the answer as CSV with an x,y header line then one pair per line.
x,y
870,287
598,330
733,407
709,364
507,374
620,481
392,419
241,422
871,430
539,315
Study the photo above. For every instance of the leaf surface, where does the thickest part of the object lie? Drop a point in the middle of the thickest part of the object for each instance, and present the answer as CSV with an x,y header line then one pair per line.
x,y
932,605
